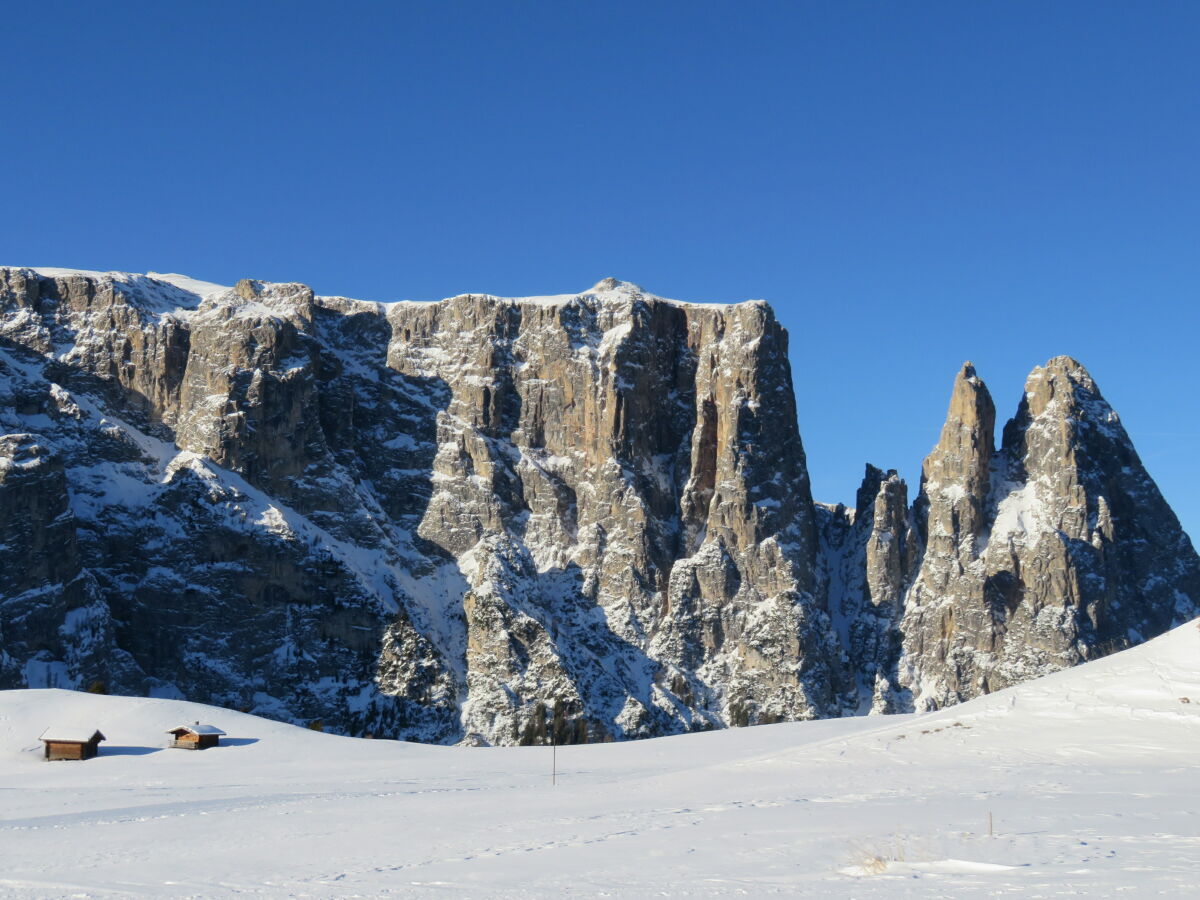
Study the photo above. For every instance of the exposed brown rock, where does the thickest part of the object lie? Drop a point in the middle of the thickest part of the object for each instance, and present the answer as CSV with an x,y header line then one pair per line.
x,y
595,502
494,520
1066,553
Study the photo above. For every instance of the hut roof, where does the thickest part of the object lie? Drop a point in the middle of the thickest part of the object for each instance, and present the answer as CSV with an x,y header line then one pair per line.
x,y
196,728
71,734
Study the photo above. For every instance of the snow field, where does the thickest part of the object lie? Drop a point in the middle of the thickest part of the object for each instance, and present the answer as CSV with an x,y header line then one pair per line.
x,y
1090,777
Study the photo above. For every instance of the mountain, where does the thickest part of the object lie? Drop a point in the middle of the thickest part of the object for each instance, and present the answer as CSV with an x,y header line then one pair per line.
x,y
1014,562
1055,549
483,519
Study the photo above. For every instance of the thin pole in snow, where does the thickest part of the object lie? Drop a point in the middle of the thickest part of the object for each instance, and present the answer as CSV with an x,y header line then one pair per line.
x,y
989,823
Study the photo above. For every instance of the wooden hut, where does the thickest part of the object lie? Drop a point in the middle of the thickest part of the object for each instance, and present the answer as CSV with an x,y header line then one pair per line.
x,y
196,736
71,742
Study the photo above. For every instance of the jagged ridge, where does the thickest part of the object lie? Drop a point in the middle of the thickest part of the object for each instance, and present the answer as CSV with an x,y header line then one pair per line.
x,y
440,520
1013,563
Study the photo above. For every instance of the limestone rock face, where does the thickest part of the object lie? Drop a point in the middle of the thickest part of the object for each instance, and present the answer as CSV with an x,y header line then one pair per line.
x,y
498,520
476,519
868,557
956,476
1054,550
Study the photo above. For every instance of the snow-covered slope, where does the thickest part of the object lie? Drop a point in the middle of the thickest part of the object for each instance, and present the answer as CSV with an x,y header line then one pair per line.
x,y
1089,777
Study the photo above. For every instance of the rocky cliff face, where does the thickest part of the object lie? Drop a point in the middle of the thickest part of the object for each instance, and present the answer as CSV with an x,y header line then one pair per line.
x,y
1053,550
868,558
436,520
482,519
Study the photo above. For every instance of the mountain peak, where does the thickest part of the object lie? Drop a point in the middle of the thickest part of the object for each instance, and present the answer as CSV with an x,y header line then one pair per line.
x,y
614,285
1063,384
1021,573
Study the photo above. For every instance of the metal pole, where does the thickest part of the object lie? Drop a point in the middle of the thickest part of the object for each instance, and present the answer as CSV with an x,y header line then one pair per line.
x,y
553,751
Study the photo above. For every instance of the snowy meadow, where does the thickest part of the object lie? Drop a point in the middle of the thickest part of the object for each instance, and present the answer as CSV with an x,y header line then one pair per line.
x,y
1082,783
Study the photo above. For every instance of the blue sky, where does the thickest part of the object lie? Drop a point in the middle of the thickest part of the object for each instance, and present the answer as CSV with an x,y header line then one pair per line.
x,y
910,184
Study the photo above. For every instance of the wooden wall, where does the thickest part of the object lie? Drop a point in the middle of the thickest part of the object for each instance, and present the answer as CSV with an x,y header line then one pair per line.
x,y
70,750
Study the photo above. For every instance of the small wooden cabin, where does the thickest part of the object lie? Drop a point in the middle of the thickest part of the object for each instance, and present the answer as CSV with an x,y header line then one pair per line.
x,y
71,742
196,736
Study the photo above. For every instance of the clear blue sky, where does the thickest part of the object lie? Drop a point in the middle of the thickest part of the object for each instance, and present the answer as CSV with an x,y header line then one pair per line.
x,y
910,184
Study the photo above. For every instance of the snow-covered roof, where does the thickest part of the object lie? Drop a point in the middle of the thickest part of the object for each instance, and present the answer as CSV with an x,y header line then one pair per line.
x,y
70,734
196,728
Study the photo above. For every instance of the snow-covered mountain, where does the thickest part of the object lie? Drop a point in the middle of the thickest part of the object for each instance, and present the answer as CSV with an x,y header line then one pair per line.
x,y
1012,563
483,518
1084,783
